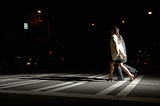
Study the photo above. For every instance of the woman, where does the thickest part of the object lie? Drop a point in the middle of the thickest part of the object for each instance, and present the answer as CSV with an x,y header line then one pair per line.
x,y
118,53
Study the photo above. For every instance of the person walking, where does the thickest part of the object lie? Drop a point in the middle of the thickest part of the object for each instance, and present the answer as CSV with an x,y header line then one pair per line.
x,y
120,76
118,53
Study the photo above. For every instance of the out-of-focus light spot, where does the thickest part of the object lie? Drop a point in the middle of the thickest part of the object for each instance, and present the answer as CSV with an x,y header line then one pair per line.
x,y
139,51
62,58
150,12
123,21
25,25
28,63
92,24
138,61
39,11
51,52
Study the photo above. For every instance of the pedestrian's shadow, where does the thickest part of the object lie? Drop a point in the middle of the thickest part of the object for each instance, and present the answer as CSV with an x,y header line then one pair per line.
x,y
66,78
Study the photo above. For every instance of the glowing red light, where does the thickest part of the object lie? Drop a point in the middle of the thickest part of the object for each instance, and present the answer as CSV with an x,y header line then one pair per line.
x,y
51,52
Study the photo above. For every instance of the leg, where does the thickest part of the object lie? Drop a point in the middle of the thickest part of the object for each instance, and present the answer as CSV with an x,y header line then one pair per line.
x,y
119,72
125,69
132,70
111,70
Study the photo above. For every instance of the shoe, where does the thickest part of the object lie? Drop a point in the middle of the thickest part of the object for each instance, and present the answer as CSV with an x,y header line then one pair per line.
x,y
119,79
109,79
132,78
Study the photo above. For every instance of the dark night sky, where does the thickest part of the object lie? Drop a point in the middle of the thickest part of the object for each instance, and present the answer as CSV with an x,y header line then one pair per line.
x,y
104,12
71,20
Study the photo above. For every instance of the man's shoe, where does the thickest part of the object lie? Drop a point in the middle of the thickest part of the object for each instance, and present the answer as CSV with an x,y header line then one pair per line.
x,y
136,73
119,79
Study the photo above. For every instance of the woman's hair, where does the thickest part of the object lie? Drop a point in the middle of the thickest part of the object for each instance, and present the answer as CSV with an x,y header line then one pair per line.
x,y
114,30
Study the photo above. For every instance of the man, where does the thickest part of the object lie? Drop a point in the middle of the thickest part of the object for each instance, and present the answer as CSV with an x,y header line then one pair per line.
x,y
118,54
118,70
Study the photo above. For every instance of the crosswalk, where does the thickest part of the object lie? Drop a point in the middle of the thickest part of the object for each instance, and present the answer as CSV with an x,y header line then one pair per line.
x,y
8,82
72,85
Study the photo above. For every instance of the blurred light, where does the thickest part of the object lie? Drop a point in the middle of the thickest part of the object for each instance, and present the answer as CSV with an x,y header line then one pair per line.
x,y
92,24
39,11
51,52
28,63
62,58
150,12
25,25
123,21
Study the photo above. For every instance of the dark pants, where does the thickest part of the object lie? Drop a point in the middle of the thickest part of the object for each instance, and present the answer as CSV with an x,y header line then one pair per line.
x,y
119,72
132,70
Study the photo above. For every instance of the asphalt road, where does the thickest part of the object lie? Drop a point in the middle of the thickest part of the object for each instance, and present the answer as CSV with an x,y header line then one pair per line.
x,y
78,88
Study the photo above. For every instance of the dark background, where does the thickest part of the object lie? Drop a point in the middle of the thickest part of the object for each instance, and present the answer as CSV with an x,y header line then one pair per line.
x,y
70,20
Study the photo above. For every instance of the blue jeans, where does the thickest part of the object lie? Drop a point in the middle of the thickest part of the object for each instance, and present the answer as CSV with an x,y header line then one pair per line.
x,y
118,71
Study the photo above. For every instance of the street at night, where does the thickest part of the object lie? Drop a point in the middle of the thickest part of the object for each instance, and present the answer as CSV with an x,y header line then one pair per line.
x,y
58,52
74,88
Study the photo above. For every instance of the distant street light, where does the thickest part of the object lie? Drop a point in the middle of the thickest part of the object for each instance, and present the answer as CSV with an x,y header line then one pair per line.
x,y
123,21
39,11
93,24
150,12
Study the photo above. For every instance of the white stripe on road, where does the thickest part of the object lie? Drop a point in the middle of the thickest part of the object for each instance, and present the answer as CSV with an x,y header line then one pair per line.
x,y
21,83
13,83
94,76
62,84
53,86
11,76
8,79
66,87
111,88
130,87
103,76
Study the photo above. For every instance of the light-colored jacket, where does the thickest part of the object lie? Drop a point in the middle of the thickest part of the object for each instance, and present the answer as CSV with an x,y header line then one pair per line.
x,y
117,48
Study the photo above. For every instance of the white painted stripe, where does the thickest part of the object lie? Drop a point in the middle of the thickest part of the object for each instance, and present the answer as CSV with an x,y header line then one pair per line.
x,y
31,82
11,76
111,88
94,76
130,87
66,87
72,85
53,86
43,75
13,83
102,76
58,85
3,80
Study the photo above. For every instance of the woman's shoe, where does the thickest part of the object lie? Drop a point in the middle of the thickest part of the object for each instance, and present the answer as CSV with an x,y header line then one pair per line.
x,y
131,78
